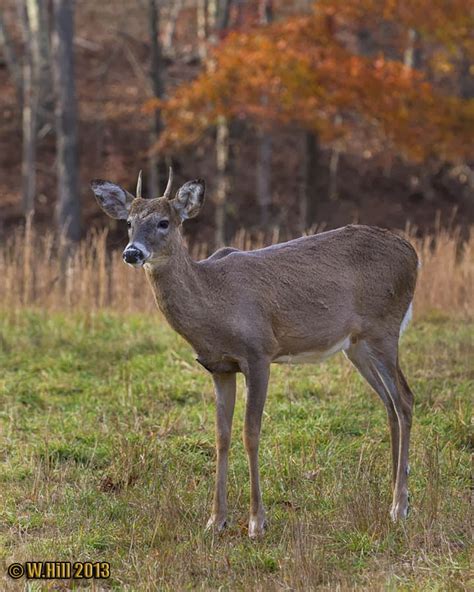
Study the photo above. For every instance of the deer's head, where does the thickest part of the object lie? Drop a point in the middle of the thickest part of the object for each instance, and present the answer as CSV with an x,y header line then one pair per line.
x,y
153,224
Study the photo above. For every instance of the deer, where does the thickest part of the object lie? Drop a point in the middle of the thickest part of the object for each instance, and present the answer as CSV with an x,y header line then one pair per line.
x,y
346,290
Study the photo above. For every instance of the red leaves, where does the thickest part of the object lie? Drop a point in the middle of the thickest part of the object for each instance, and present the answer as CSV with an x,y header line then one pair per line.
x,y
307,76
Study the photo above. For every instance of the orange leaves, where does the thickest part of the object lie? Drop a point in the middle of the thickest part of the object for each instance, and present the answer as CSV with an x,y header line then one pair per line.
x,y
300,71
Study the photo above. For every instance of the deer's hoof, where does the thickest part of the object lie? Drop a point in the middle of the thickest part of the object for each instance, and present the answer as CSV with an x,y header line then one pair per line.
x,y
216,523
257,526
400,510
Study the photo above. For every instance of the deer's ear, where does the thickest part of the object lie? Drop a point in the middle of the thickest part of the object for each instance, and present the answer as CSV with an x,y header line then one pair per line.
x,y
189,199
114,200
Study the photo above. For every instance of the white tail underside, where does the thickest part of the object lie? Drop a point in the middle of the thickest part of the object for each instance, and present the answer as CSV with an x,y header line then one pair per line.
x,y
407,318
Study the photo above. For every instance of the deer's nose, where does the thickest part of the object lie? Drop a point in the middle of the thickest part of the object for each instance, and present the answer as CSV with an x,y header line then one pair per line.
x,y
133,255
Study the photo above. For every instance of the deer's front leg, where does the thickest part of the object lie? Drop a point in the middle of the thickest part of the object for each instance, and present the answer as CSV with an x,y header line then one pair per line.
x,y
257,383
225,386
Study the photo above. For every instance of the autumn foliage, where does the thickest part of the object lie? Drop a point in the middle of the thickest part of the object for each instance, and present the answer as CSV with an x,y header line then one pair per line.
x,y
307,71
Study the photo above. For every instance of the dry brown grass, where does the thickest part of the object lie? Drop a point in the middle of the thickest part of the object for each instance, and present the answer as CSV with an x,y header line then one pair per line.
x,y
35,275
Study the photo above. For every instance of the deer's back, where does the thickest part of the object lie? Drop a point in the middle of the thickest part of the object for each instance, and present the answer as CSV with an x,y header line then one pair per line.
x,y
330,284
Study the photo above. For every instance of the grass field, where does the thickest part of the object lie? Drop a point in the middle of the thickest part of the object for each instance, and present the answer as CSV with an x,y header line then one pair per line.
x,y
107,454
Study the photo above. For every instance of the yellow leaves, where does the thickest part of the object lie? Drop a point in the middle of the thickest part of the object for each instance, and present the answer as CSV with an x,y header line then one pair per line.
x,y
389,9
354,66
442,65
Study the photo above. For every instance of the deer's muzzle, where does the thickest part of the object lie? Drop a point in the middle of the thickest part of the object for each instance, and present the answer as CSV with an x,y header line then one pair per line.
x,y
135,255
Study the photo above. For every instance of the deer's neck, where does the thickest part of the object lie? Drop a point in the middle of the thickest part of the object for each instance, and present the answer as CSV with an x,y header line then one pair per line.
x,y
178,289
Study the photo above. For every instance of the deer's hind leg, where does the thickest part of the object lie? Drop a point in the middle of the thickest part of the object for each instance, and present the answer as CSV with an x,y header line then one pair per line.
x,y
359,355
377,361
400,507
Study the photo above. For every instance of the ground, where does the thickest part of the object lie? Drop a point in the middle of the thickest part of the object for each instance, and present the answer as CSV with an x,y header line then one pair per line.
x,y
107,455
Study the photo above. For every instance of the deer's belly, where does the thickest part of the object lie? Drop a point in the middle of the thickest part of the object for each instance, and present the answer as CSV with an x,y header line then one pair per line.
x,y
313,357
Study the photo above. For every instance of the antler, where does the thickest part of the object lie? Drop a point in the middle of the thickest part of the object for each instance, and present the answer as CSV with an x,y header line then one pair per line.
x,y
139,185
169,185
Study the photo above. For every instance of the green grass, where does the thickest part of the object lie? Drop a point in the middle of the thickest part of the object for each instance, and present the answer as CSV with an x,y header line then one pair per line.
x,y
107,453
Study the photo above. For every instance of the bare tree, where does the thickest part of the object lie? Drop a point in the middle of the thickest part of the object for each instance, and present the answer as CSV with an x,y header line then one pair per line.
x,y
33,86
217,19
201,24
29,117
412,58
309,197
264,158
222,179
412,53
465,77
68,212
264,164
171,24
334,163
156,69
40,55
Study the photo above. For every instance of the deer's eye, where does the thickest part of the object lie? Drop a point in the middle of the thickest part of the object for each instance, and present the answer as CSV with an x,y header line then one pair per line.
x,y
129,224
163,224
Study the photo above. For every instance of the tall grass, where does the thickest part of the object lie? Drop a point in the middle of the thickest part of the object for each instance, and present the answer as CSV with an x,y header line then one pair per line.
x,y
36,274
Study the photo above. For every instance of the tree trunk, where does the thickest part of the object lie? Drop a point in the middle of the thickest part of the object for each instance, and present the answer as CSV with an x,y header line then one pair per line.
x,y
217,21
310,198
40,55
334,163
222,179
365,42
265,10
223,14
264,164
29,125
201,23
264,158
466,79
171,24
333,172
29,120
156,68
412,54
212,19
68,212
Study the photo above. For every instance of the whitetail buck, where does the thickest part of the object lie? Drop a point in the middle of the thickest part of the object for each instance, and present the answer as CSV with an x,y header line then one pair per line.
x,y
301,301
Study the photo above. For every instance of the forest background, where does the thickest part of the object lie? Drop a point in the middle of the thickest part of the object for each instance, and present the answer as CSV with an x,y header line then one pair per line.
x,y
299,115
